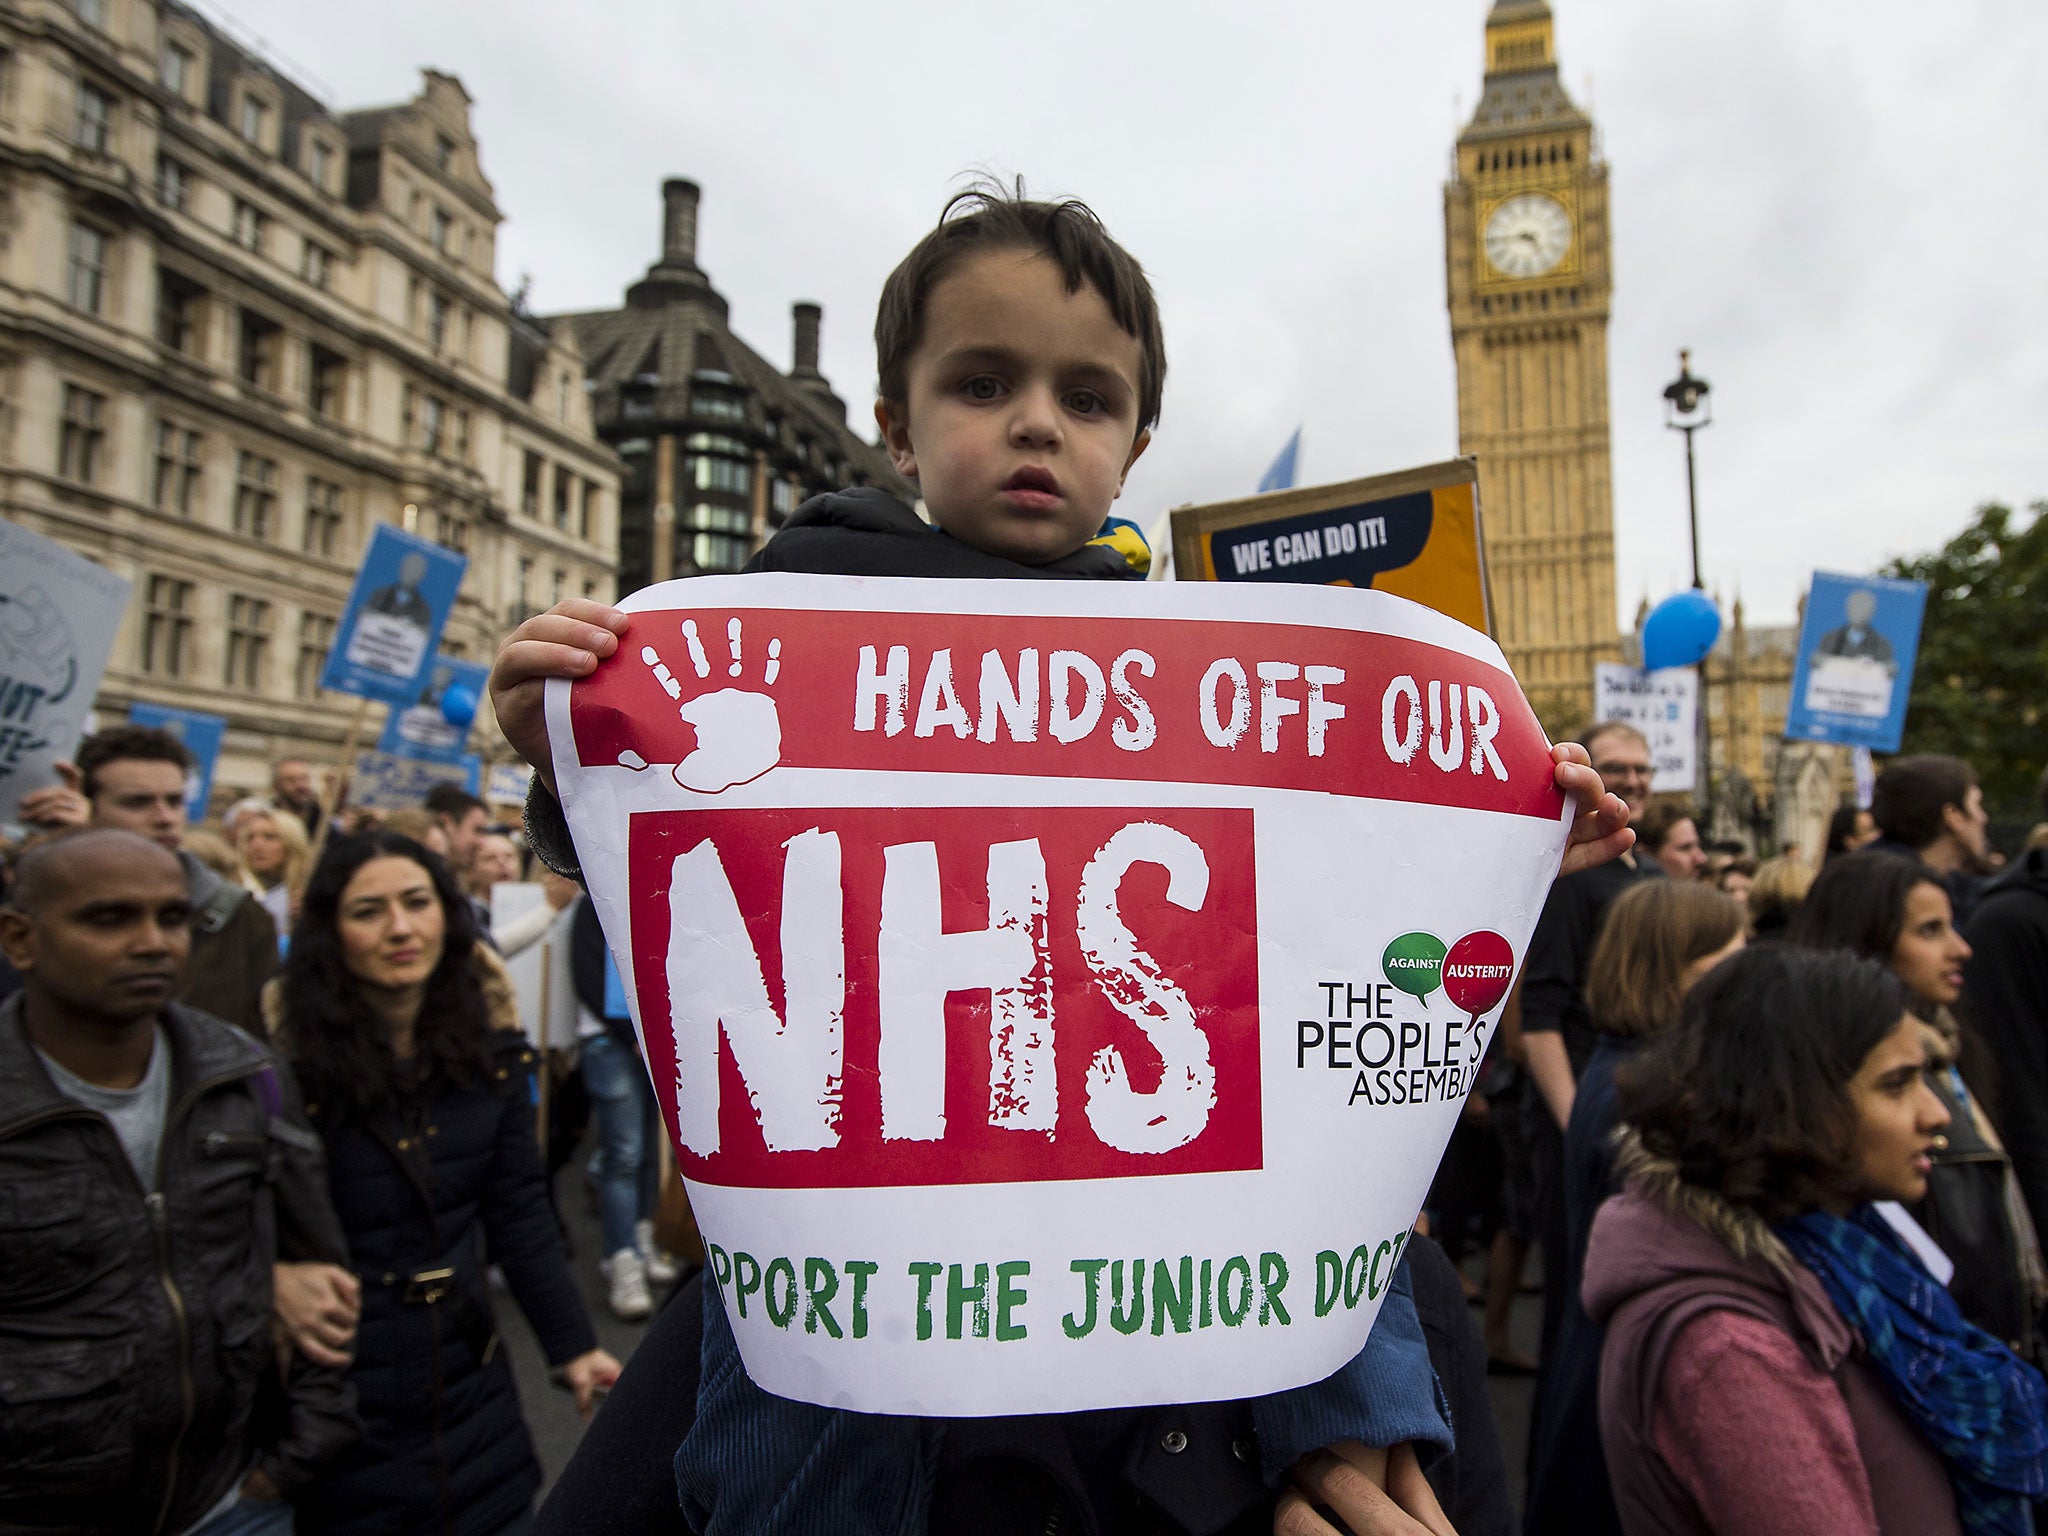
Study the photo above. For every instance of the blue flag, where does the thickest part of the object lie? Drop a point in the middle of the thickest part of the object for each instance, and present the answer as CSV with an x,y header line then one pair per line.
x,y
1280,476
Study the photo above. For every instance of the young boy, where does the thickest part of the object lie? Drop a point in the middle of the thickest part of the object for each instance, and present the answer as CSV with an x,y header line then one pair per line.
x,y
1021,366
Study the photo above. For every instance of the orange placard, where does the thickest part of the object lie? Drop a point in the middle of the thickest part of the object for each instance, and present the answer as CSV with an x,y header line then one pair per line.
x,y
1415,534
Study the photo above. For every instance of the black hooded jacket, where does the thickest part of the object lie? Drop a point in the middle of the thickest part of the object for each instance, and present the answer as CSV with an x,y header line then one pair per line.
x,y
866,532
2005,994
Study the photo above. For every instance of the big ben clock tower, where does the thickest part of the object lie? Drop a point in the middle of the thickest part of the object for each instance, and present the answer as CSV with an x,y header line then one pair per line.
x,y
1526,253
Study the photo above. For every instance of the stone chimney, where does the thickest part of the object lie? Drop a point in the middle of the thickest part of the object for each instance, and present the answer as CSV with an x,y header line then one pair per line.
x,y
679,199
805,317
676,278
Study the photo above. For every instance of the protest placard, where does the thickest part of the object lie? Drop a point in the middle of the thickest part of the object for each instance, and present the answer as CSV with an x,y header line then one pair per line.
x,y
1854,673
202,735
1664,706
58,616
386,636
1059,996
1415,534
507,783
382,782
422,728
531,966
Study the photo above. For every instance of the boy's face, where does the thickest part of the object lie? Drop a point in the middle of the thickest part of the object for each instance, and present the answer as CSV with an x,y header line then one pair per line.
x,y
1022,419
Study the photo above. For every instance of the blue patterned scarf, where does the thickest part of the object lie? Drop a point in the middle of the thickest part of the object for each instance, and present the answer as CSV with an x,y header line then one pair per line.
x,y
1972,1399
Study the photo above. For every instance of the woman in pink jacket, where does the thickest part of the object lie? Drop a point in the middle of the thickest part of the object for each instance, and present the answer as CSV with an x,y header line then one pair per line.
x,y
1777,1359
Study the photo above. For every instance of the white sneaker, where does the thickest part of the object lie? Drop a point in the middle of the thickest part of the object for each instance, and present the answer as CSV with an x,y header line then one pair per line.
x,y
626,1286
661,1267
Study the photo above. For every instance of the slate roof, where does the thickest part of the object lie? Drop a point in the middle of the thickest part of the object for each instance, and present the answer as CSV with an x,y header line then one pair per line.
x,y
1515,101
672,329
1518,102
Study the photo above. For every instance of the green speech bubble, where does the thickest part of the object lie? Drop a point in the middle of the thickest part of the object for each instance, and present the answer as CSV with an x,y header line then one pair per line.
x,y
1414,963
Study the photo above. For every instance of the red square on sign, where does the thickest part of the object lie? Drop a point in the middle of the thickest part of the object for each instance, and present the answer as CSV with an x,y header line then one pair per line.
x,y
857,997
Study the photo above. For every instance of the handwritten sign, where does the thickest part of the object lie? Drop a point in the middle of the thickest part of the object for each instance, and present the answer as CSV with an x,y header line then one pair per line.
x,y
1664,706
1007,959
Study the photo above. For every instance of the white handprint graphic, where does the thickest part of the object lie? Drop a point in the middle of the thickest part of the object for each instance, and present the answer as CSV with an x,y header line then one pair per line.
x,y
739,733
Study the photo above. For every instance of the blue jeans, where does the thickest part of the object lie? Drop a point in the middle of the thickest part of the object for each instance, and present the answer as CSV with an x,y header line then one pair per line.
x,y
250,1517
624,1170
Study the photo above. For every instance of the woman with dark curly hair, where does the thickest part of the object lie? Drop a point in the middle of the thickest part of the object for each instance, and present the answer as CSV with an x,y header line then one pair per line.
x,y
1896,911
427,1114
1777,1357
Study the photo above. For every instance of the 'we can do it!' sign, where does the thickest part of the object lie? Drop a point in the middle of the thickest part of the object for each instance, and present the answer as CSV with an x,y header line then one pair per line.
x,y
1039,981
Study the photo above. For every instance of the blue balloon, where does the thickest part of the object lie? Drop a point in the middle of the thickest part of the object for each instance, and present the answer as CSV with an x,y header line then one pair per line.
x,y
458,704
1681,630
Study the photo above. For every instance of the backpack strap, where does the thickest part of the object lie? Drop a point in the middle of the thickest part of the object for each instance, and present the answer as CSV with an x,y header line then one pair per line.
x,y
271,1096
218,907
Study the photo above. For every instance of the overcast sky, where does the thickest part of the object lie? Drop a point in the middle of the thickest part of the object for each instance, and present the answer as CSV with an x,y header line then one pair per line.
x,y
1836,205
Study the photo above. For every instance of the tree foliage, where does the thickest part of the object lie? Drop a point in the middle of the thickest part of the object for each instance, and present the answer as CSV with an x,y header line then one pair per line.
x,y
1980,690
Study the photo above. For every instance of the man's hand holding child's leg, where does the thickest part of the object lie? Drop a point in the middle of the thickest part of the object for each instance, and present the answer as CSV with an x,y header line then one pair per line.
x,y
569,640
1366,1492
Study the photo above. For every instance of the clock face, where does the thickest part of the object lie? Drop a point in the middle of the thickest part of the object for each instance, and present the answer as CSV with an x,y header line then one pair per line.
x,y
1528,235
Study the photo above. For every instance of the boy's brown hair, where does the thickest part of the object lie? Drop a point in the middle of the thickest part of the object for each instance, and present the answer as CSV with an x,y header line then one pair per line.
x,y
1067,233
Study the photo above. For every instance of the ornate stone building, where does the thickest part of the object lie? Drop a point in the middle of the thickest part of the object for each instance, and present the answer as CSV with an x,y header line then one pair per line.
x,y
236,331
720,445
1527,266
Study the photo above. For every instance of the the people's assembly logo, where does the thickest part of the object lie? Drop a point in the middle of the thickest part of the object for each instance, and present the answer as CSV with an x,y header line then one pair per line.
x,y
1390,1040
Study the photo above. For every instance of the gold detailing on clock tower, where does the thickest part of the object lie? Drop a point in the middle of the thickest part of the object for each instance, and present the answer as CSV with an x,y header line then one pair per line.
x,y
1513,45
1527,268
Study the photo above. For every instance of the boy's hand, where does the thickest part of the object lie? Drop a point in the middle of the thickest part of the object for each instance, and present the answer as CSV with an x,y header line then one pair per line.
x,y
1600,831
1369,1492
569,640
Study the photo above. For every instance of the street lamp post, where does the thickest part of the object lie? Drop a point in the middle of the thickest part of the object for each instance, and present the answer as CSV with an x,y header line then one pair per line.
x,y
1686,409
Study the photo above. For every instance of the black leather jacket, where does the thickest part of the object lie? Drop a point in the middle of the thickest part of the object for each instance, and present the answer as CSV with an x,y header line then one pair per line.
x,y
1966,1214
138,1376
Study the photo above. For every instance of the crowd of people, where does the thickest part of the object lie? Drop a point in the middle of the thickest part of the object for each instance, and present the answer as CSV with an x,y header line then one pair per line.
x,y
1689,1135
301,1033
270,1145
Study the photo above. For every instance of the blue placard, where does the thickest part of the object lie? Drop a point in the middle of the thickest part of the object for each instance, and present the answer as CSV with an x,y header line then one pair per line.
x,y
422,728
382,782
1856,654
384,644
202,736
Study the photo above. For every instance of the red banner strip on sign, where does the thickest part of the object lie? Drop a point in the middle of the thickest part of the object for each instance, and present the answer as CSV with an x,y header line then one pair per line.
x,y
1273,706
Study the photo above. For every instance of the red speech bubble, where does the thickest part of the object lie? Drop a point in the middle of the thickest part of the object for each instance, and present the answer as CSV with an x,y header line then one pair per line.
x,y
1478,971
